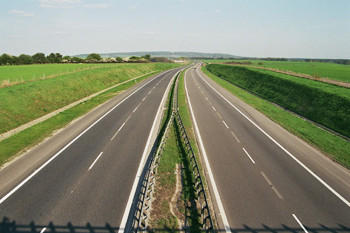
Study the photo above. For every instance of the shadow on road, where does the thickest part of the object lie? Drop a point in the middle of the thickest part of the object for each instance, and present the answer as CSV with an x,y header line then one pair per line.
x,y
10,226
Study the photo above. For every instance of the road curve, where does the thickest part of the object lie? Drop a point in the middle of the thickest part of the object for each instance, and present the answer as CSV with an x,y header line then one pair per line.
x,y
267,179
81,178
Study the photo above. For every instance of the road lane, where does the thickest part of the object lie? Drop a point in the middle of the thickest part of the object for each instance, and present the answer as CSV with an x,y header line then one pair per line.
x,y
271,191
78,188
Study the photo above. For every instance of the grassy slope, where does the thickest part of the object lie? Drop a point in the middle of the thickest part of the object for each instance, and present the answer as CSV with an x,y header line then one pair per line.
x,y
323,103
26,102
318,69
35,134
28,72
337,148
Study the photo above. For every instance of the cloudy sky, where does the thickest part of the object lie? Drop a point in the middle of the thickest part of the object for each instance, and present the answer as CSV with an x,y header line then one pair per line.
x,y
258,28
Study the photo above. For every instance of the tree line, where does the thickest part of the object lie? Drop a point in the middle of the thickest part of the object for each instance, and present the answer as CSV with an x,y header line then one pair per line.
x,y
40,58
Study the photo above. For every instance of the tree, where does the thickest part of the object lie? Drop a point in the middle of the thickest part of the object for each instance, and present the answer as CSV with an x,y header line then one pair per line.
x,y
25,59
93,56
147,57
119,59
39,58
77,60
51,58
6,59
58,58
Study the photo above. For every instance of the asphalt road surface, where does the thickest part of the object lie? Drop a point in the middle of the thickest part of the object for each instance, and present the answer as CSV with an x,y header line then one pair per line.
x,y
83,178
262,178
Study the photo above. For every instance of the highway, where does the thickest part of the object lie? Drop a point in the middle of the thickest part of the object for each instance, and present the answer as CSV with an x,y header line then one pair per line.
x,y
262,178
84,178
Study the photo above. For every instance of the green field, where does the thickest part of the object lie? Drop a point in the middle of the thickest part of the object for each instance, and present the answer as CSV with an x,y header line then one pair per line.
x,y
325,104
335,147
319,69
28,101
29,73
22,103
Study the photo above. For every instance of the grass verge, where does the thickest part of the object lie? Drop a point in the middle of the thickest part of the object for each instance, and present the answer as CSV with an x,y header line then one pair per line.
x,y
316,69
336,148
323,103
23,103
28,138
166,212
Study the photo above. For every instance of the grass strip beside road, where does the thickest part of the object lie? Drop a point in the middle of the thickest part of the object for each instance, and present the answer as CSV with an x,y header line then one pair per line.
x,y
335,147
30,137
325,104
174,155
316,69
24,103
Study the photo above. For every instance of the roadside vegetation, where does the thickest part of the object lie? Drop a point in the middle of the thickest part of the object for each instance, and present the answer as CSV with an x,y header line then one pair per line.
x,y
171,209
333,71
12,75
23,103
325,104
334,146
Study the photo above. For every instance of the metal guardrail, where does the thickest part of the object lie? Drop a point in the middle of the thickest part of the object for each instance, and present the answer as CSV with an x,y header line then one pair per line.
x,y
207,222
144,200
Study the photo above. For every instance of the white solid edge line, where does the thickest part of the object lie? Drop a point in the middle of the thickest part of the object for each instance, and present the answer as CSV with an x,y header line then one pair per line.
x,y
302,226
204,153
70,143
143,159
249,155
95,160
285,150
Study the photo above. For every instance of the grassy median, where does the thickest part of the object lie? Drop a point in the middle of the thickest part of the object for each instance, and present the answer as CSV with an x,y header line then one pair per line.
x,y
171,209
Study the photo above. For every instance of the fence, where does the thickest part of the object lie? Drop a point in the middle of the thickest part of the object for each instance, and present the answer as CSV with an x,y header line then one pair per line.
x,y
144,201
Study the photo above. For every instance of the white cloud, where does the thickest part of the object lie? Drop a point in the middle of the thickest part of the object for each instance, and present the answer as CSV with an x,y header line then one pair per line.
x,y
60,1
62,4
22,13
55,6
217,11
100,6
132,7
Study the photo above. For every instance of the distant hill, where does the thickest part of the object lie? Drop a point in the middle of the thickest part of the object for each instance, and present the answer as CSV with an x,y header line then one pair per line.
x,y
166,54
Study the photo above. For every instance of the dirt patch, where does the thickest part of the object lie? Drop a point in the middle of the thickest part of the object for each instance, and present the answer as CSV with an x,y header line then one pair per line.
x,y
165,214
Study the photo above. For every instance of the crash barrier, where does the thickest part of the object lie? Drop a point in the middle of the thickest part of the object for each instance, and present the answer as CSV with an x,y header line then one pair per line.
x,y
145,197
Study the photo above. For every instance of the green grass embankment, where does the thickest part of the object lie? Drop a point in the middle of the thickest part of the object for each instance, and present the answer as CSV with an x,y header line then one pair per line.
x,y
325,104
335,147
16,74
37,133
23,103
316,69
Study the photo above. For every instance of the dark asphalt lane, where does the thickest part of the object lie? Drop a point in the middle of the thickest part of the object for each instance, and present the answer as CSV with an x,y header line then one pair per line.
x,y
91,180
262,188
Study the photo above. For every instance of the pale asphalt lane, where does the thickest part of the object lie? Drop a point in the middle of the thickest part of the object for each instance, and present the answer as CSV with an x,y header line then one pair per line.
x,y
262,188
88,184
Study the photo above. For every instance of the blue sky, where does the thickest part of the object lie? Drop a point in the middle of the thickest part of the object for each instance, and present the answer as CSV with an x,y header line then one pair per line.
x,y
257,28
